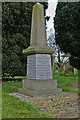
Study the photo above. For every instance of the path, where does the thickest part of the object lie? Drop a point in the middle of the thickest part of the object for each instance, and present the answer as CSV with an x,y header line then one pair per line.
x,y
64,105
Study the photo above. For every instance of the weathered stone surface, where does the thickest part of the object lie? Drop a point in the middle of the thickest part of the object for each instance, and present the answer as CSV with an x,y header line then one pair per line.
x,y
39,67
32,92
38,42
39,80
39,84
40,87
38,31
31,67
37,50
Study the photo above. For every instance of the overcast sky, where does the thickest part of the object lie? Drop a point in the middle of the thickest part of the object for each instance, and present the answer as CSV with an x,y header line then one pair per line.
x,y
51,12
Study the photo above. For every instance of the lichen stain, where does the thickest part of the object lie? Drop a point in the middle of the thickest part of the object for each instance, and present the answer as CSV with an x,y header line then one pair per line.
x,y
34,9
39,12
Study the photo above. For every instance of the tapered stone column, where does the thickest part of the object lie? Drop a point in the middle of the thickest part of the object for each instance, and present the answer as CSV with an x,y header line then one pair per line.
x,y
39,81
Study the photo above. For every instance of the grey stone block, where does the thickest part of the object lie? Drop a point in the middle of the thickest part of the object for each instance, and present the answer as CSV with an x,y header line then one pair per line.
x,y
39,87
34,93
39,84
39,67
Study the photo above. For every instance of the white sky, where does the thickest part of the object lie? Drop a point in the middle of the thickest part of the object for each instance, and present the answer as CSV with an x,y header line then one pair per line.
x,y
51,12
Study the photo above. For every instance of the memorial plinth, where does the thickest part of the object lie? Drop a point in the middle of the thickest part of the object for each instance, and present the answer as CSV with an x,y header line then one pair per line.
x,y
39,80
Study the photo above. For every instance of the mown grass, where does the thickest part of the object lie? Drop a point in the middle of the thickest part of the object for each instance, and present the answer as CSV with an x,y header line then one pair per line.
x,y
11,86
15,108
64,80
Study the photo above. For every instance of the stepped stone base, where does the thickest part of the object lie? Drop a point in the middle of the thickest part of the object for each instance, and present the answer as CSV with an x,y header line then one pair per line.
x,y
39,87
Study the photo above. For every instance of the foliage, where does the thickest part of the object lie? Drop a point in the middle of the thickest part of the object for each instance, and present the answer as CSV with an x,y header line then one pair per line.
x,y
51,39
16,30
60,57
66,23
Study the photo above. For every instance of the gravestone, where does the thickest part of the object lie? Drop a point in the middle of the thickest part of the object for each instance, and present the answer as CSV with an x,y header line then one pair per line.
x,y
39,81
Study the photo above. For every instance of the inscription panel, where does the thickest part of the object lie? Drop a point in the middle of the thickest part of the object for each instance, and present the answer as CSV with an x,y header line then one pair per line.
x,y
31,67
43,67
39,67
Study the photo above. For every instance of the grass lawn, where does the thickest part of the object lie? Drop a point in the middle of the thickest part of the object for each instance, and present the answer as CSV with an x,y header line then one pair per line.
x,y
15,108
64,80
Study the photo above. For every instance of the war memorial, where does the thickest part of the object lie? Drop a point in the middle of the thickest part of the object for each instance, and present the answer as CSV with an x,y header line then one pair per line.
x,y
39,80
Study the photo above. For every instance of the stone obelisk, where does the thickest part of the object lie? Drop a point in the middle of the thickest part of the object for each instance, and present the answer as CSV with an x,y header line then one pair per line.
x,y
39,81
